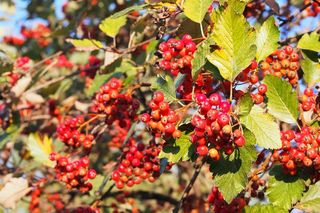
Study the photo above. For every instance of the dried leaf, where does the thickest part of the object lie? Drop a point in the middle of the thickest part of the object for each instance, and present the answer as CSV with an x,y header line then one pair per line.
x,y
21,85
33,98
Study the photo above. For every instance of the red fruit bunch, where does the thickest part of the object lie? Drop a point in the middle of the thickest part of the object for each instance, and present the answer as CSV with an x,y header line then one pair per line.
x,y
75,174
250,75
254,8
40,33
215,198
312,10
90,69
203,84
162,120
177,55
82,209
21,65
213,127
13,40
299,149
118,136
139,162
308,100
115,105
69,133
283,63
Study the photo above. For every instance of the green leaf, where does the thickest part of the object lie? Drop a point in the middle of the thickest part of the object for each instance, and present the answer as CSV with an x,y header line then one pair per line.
x,y
40,148
96,183
200,56
245,104
85,44
310,42
284,190
6,64
311,70
267,39
264,209
263,126
236,43
282,101
9,134
111,25
166,86
310,201
182,149
196,9
129,9
231,171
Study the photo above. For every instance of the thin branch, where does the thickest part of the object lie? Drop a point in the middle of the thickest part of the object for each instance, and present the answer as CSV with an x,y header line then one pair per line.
x,y
290,18
190,185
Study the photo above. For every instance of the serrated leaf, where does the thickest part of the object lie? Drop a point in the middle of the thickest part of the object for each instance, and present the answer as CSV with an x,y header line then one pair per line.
x,y
166,86
264,209
245,104
111,25
264,128
267,39
182,149
310,42
231,171
236,43
200,56
196,9
85,44
129,9
282,101
311,71
281,184
310,201
40,148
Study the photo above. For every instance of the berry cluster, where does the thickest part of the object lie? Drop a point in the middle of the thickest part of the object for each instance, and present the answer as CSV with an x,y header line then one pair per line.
x,y
21,65
116,106
69,133
40,33
62,62
118,135
216,199
82,209
90,69
213,127
250,74
299,149
75,174
13,40
177,55
203,84
282,63
140,162
313,10
162,119
308,100
258,187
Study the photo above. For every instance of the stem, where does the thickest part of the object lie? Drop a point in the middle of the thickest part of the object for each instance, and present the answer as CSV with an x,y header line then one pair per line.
x,y
190,185
91,120
201,28
231,91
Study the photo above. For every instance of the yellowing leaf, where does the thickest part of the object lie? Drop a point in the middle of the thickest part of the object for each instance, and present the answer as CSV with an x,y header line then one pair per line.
x,y
85,44
196,9
40,148
111,25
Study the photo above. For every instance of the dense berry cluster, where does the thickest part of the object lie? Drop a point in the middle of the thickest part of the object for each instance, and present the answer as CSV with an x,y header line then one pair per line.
x,y
299,149
213,127
140,162
258,187
69,133
308,101
40,33
115,105
283,63
177,55
216,199
74,174
162,119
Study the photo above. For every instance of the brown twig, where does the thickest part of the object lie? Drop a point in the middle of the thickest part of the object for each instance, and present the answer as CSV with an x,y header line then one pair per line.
x,y
190,185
